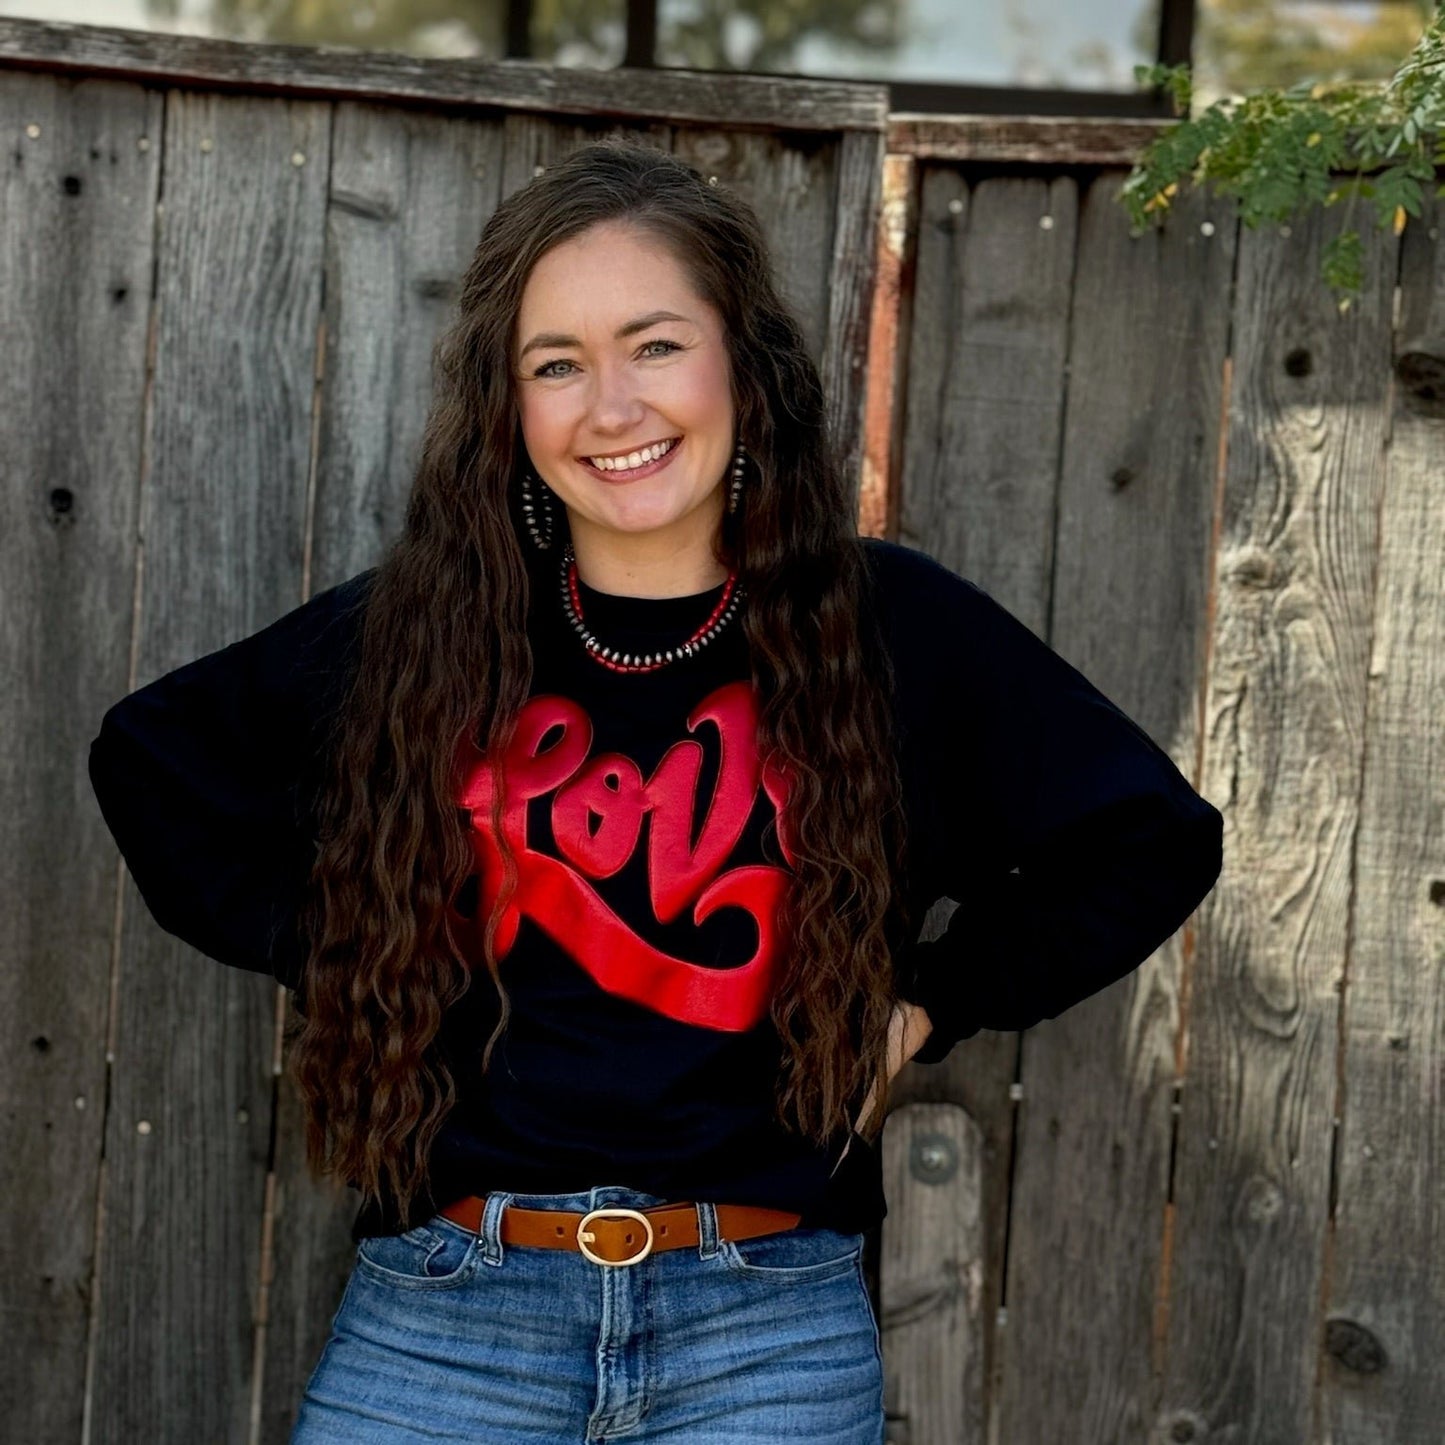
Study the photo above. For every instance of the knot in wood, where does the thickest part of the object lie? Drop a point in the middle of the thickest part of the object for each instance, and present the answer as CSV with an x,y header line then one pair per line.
x,y
1354,1347
1262,1200
1183,1426
1254,567
1420,371
1298,361
62,507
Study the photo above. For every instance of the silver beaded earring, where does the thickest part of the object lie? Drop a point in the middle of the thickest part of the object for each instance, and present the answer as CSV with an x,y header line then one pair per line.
x,y
542,507
740,458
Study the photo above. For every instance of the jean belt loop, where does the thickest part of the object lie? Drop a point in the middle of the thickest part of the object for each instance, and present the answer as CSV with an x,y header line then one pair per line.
x,y
491,1230
707,1230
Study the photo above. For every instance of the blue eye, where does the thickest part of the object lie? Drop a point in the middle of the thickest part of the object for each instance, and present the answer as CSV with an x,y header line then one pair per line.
x,y
545,370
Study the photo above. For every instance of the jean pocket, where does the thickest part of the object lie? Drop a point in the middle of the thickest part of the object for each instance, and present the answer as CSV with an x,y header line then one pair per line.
x,y
436,1255
796,1254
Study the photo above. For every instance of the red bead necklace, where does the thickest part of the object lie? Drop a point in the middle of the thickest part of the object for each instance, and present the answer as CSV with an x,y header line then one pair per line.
x,y
619,661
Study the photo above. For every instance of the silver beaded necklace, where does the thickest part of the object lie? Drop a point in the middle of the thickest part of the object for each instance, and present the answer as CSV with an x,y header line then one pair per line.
x,y
618,661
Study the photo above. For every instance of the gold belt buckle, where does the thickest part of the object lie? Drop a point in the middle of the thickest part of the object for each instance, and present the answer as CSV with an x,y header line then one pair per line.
x,y
586,1236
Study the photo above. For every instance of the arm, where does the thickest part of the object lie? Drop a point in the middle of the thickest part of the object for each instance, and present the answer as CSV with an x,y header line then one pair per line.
x,y
907,1030
204,777
1073,844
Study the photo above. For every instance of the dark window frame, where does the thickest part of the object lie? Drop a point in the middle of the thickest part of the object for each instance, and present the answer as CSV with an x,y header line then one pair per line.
x,y
1176,39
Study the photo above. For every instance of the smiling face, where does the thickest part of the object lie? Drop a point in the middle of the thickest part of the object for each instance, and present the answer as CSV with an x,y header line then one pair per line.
x,y
623,389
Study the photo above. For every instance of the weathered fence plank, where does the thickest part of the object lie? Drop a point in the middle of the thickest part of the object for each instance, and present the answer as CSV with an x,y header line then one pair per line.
x,y
758,102
982,416
1308,416
78,196
223,525
534,141
1383,1375
410,194
1129,605
891,323
986,370
792,183
932,1269
1021,140
849,297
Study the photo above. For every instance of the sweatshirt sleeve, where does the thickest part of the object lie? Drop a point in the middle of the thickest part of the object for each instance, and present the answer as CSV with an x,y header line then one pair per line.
x,y
1073,845
205,778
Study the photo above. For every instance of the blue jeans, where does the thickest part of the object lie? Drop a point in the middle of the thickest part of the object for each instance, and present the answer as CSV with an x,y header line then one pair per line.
x,y
443,1334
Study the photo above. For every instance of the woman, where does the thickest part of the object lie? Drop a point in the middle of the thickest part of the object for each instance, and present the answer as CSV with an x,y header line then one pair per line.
x,y
594,828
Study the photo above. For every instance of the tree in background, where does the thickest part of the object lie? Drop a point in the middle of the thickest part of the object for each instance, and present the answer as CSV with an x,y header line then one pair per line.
x,y
712,34
1244,45
1282,152
764,35
413,27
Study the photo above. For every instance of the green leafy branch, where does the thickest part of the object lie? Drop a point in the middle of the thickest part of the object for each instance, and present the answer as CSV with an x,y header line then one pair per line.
x,y
1280,151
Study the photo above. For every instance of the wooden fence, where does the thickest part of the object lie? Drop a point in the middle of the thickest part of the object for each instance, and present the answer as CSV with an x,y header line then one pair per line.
x,y
1205,1204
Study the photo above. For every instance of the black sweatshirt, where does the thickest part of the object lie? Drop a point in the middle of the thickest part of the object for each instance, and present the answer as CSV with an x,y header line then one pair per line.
x,y
638,949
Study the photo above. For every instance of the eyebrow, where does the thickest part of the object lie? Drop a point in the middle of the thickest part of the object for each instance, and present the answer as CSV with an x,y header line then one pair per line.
x,y
629,328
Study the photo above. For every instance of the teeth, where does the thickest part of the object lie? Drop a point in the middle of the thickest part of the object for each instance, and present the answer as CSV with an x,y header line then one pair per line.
x,y
632,459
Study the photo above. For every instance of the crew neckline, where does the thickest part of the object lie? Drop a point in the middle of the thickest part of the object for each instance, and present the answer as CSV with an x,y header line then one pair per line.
x,y
604,610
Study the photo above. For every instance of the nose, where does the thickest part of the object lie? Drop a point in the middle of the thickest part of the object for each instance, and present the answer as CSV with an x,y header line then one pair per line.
x,y
616,406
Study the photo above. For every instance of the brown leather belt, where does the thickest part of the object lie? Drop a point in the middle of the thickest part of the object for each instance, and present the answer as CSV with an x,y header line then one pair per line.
x,y
612,1234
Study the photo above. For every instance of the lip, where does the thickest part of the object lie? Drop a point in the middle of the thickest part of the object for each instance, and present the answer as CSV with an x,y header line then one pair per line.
x,y
646,470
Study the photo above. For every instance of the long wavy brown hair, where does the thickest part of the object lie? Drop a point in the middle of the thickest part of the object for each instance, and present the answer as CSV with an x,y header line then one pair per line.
x,y
443,655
